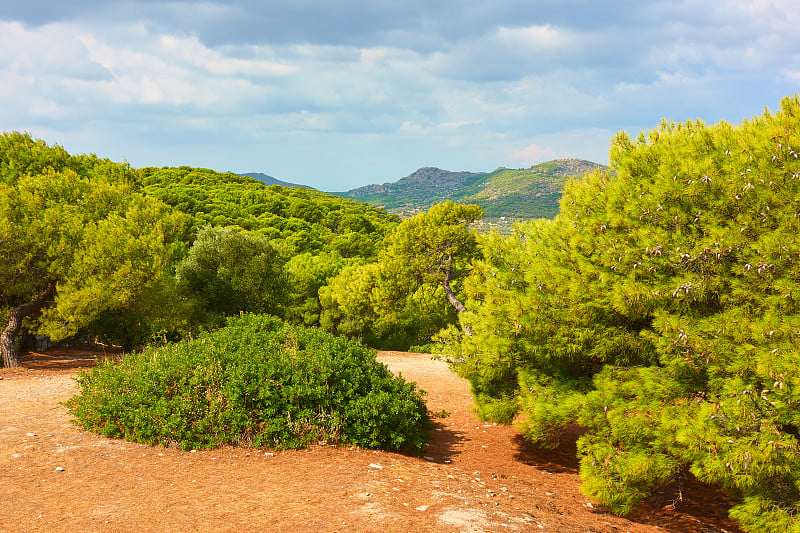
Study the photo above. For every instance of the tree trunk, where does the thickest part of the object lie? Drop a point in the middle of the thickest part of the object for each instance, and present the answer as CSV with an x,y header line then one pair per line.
x,y
451,296
7,346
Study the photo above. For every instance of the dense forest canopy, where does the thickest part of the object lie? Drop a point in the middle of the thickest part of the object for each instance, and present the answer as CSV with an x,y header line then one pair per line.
x,y
297,219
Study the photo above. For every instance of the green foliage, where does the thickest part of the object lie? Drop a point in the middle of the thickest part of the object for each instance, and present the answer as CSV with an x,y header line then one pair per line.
x,y
297,219
21,155
402,299
156,316
259,382
660,311
229,271
308,273
101,244
76,225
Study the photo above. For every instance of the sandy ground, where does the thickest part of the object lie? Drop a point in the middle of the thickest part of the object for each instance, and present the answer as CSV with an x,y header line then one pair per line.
x,y
473,477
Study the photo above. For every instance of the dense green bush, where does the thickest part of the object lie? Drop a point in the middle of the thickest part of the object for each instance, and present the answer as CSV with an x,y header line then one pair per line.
x,y
228,271
660,310
259,382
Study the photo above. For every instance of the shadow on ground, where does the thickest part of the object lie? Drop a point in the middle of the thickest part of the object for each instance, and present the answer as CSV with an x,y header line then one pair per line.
x,y
674,507
69,357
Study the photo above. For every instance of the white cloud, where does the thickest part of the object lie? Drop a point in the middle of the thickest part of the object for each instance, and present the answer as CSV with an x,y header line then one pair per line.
x,y
531,154
190,51
534,38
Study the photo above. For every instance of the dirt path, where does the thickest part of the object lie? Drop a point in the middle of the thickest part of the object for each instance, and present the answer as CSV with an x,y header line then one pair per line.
x,y
474,477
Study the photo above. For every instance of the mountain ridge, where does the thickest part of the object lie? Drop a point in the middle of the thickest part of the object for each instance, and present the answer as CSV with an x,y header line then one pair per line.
x,y
425,177
531,192
269,180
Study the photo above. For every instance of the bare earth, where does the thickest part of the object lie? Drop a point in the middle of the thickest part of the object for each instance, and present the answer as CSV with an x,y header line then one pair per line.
x,y
474,477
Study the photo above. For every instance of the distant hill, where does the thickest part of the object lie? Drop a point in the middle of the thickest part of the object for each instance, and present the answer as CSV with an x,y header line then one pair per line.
x,y
520,193
427,184
269,180
297,219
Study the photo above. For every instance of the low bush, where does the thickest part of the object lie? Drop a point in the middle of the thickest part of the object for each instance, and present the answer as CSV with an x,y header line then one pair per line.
x,y
258,382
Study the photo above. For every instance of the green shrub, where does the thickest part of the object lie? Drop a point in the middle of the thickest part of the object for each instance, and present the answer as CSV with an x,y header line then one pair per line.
x,y
259,382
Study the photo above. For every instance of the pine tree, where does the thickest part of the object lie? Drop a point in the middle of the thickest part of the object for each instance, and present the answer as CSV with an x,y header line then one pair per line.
x,y
659,310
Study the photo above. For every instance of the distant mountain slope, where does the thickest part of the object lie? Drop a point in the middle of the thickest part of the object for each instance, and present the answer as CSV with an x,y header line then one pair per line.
x,y
522,193
269,180
526,193
427,185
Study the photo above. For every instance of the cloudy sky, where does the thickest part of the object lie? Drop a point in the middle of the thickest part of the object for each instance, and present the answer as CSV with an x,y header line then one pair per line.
x,y
341,93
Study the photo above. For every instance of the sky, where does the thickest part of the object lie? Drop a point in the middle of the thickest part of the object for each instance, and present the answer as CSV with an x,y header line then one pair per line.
x,y
337,94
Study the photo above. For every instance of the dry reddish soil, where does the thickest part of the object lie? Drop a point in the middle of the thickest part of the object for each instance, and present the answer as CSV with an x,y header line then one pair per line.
x,y
473,477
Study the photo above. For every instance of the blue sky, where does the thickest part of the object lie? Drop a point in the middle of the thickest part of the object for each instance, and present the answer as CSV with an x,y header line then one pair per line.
x,y
339,94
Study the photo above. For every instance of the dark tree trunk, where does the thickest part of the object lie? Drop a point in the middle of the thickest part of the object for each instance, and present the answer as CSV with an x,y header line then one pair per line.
x,y
451,296
7,345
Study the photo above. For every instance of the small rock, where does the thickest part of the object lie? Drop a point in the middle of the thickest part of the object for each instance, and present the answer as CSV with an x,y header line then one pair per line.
x,y
422,508
377,467
427,458
59,469
30,434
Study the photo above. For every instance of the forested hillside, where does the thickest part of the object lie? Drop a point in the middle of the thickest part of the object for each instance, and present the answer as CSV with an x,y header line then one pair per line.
x,y
526,193
514,193
299,219
419,190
